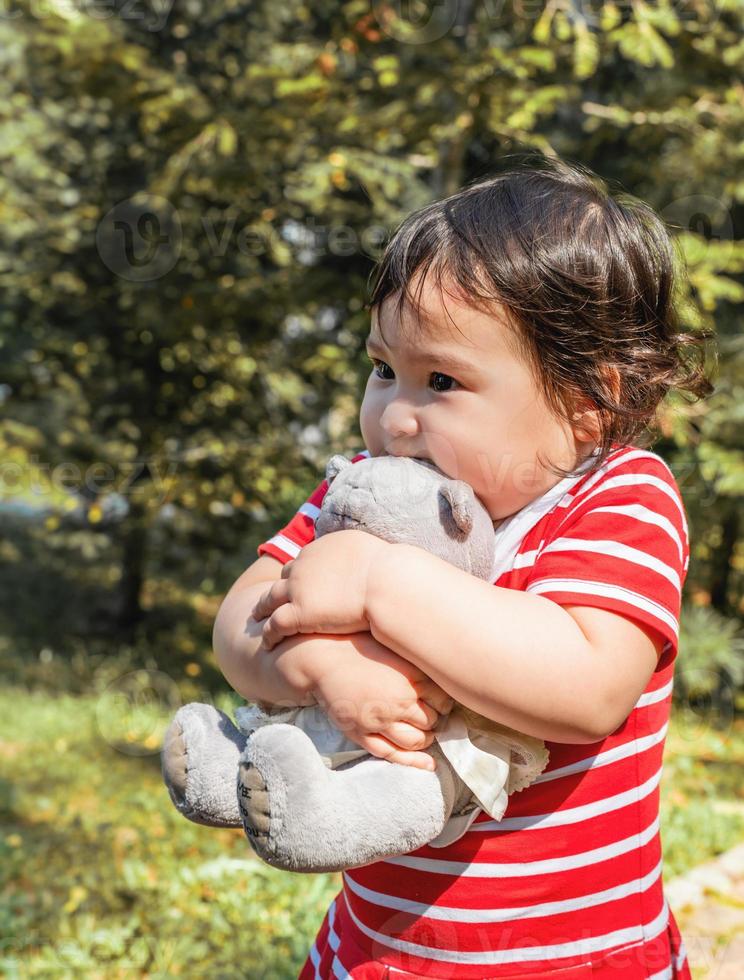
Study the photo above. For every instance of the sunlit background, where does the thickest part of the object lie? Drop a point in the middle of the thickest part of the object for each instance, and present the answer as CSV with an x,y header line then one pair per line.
x,y
192,197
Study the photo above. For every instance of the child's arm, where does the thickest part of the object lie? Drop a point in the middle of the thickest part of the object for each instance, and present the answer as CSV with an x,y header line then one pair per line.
x,y
382,702
236,641
248,667
567,658
515,657
254,672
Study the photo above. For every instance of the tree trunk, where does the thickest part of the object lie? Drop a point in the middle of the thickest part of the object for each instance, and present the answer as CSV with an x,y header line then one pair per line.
x,y
134,554
449,174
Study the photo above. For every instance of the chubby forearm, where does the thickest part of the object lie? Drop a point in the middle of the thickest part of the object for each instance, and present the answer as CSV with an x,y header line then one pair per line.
x,y
515,657
257,674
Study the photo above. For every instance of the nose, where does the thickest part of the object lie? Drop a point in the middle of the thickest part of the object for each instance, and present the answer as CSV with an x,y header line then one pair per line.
x,y
399,418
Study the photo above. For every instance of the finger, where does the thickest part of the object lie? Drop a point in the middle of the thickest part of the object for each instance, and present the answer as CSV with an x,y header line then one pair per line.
x,y
283,622
257,612
287,568
273,597
407,736
380,747
434,696
420,714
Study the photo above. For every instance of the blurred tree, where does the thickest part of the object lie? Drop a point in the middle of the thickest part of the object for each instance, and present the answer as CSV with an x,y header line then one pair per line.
x,y
192,199
182,255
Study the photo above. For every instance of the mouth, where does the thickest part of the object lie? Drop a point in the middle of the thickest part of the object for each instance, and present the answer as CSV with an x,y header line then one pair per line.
x,y
424,459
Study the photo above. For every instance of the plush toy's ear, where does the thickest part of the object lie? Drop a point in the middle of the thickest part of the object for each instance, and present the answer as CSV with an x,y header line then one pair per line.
x,y
335,465
461,499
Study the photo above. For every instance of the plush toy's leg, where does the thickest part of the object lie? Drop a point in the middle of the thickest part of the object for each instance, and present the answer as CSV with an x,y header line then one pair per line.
x,y
301,816
199,761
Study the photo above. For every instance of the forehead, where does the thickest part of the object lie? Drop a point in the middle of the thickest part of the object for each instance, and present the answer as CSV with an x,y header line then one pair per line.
x,y
443,320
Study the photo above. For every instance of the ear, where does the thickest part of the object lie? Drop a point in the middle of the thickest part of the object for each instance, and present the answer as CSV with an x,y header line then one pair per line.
x,y
585,416
335,465
585,422
461,499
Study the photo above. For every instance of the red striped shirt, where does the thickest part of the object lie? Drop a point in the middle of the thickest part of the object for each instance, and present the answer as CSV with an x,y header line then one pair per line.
x,y
568,884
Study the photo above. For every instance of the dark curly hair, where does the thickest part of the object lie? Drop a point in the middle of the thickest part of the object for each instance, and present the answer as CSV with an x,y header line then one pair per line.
x,y
587,279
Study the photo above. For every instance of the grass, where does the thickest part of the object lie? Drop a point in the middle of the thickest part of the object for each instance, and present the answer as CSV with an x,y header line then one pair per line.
x,y
702,797
103,878
100,876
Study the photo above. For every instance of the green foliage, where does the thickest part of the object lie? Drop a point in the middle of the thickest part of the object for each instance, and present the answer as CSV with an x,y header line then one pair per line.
x,y
702,801
711,652
696,830
258,157
123,871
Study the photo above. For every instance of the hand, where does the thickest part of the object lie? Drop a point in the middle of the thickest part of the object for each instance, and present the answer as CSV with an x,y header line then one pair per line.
x,y
376,698
323,590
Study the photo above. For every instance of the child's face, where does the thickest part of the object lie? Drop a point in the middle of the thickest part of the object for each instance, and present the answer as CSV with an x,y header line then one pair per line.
x,y
465,401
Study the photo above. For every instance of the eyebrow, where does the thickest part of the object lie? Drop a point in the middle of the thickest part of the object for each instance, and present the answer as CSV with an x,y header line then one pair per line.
x,y
443,359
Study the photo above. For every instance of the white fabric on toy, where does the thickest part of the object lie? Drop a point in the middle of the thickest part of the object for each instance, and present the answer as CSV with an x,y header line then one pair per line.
x,y
492,760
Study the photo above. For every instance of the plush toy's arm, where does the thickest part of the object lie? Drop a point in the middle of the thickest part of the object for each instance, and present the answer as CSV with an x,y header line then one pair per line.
x,y
199,762
300,815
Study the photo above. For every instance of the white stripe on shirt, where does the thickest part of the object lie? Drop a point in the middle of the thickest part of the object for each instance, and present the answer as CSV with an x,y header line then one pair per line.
x,y
528,869
480,915
576,814
634,747
584,587
616,550
640,513
283,543
334,942
652,697
594,944
629,480
618,459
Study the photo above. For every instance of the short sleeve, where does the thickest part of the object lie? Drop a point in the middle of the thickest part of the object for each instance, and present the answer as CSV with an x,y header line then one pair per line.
x,y
623,547
287,543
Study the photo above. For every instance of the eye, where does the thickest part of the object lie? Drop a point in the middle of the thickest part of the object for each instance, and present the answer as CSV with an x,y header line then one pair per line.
x,y
440,382
447,378
378,367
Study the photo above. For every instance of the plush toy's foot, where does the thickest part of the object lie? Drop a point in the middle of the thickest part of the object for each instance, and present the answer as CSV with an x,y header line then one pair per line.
x,y
301,816
199,760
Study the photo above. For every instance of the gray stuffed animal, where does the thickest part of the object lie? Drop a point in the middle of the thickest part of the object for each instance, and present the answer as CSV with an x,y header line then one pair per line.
x,y
308,798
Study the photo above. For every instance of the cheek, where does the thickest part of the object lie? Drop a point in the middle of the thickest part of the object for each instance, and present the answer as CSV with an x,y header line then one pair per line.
x,y
369,419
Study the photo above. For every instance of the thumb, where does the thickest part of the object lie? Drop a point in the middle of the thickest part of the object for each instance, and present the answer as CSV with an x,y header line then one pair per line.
x,y
435,697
